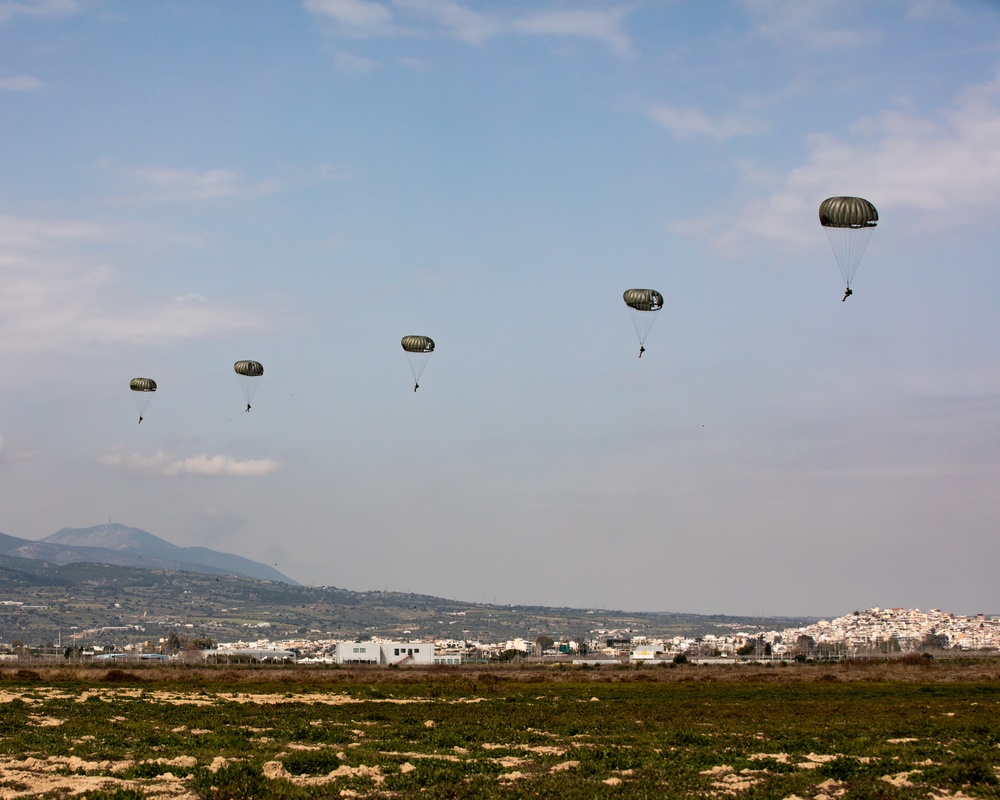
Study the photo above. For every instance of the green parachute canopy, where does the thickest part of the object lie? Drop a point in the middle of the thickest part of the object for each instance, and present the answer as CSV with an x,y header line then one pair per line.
x,y
643,299
418,344
142,385
847,212
848,222
418,350
251,369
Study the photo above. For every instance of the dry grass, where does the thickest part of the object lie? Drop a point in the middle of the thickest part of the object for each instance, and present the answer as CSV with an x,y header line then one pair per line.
x,y
918,669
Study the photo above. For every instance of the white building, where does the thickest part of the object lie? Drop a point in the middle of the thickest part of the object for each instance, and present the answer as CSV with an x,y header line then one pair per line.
x,y
392,653
645,653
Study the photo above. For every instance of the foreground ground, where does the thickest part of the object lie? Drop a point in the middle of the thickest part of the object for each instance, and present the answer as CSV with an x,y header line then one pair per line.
x,y
873,730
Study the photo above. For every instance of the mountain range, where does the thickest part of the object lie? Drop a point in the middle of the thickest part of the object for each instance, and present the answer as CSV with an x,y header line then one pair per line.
x,y
120,545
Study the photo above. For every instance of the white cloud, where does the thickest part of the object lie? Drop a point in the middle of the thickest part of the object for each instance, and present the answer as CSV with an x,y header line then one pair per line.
x,y
816,25
9,455
459,21
689,123
166,184
22,232
56,298
945,169
358,16
190,185
933,10
414,64
354,65
183,317
203,464
20,83
38,9
600,25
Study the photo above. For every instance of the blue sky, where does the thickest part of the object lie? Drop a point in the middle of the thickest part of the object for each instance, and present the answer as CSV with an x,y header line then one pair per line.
x,y
186,184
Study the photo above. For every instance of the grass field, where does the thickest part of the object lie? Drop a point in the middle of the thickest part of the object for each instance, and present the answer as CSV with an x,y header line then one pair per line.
x,y
930,728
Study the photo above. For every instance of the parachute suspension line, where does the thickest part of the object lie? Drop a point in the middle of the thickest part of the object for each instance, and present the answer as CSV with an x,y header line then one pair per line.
x,y
849,246
849,222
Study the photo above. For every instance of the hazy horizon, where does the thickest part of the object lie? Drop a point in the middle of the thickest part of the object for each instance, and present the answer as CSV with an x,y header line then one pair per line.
x,y
679,611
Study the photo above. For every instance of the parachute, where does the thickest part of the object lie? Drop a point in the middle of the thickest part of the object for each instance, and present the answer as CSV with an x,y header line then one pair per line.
x,y
142,393
249,373
417,349
643,305
849,222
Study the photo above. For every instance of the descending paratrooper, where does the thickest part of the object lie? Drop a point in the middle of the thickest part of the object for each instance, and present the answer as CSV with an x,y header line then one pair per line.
x,y
417,349
249,373
142,393
643,304
849,222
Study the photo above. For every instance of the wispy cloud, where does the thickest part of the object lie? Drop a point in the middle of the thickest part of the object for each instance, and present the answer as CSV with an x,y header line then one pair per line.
x,y
945,168
180,318
603,26
691,123
203,464
186,185
38,9
816,25
354,65
39,234
20,83
932,10
56,298
10,455
456,20
190,185
355,16
459,21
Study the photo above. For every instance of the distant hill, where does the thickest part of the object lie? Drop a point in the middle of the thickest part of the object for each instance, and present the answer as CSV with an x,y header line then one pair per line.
x,y
119,545
103,605
111,584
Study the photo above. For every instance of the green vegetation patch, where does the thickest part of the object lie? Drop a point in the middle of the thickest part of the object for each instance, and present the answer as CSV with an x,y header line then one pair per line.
x,y
467,735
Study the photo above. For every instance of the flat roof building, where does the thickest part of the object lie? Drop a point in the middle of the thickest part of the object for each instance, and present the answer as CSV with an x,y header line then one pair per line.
x,y
385,653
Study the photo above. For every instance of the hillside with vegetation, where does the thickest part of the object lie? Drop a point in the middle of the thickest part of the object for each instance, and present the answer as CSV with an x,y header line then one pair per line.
x,y
97,604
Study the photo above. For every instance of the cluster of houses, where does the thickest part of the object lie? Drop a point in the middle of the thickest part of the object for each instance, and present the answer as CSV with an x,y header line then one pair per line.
x,y
903,629
861,633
